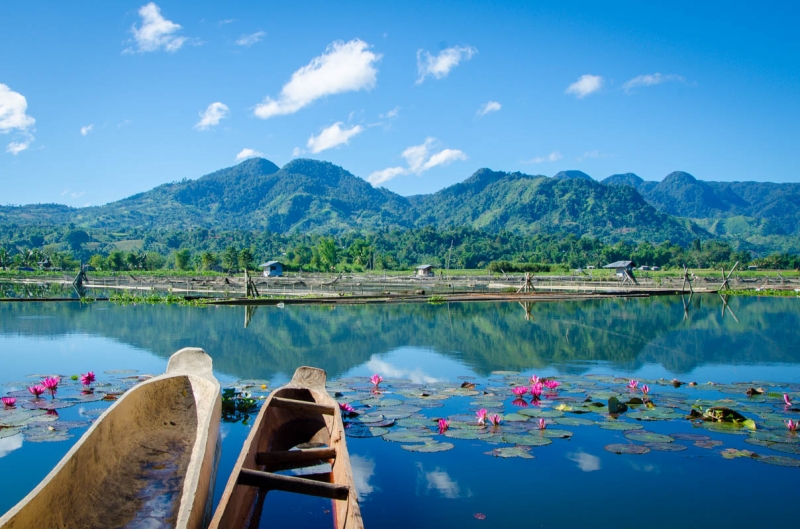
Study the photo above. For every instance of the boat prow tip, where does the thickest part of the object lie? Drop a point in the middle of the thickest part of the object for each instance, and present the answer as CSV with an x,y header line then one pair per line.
x,y
312,377
192,360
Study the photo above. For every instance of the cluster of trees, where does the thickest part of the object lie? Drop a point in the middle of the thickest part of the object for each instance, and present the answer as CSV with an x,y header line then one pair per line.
x,y
458,248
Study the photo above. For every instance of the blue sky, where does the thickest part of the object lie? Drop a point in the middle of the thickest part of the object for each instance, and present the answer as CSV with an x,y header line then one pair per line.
x,y
100,100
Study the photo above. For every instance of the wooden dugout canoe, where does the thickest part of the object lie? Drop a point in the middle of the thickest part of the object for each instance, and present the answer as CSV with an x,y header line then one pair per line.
x,y
148,461
299,426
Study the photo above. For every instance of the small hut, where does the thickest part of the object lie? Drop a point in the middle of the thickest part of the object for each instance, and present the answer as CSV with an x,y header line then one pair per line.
x,y
624,270
272,269
425,270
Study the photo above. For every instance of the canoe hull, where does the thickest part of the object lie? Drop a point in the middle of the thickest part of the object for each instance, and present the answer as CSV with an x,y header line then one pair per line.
x,y
152,451
279,429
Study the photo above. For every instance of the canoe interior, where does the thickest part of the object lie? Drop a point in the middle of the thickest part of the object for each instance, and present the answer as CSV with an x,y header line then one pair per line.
x,y
130,467
279,429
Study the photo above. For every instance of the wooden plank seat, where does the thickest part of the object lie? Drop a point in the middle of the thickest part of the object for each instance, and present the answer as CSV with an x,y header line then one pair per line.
x,y
291,459
310,484
303,405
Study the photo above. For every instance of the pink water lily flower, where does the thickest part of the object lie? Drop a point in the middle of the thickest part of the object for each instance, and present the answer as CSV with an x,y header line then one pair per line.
x,y
551,384
444,424
347,408
87,378
645,389
376,379
536,390
792,425
9,402
787,400
495,419
542,424
51,384
37,390
519,391
481,415
535,379
632,384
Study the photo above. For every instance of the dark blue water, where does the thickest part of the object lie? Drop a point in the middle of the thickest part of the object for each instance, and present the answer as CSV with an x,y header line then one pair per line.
x,y
572,482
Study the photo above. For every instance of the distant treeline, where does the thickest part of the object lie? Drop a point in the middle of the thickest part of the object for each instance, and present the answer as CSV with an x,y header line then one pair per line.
x,y
202,249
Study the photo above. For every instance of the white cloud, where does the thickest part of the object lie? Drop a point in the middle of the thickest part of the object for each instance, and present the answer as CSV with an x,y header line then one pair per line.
x,y
16,147
247,153
212,116
156,32
9,444
13,106
445,157
379,177
585,85
552,157
332,136
440,65
393,113
419,160
586,462
363,470
491,106
13,118
297,151
87,129
590,154
650,80
226,21
249,40
344,67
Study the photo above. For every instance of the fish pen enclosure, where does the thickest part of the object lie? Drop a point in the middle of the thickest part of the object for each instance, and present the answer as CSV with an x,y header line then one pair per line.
x,y
321,285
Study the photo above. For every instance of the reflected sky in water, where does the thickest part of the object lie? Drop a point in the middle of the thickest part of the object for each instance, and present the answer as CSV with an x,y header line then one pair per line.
x,y
569,483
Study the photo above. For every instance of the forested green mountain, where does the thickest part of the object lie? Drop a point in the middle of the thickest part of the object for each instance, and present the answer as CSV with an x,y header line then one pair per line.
x,y
523,203
764,215
308,196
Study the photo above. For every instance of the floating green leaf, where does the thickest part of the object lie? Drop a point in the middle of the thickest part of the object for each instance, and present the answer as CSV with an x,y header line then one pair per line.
x,y
429,448
626,448
647,437
512,451
527,440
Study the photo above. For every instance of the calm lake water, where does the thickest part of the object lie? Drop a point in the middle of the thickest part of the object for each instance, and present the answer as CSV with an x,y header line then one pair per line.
x,y
419,348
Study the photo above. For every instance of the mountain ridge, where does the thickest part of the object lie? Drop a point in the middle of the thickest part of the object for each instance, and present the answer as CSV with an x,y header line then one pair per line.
x,y
319,197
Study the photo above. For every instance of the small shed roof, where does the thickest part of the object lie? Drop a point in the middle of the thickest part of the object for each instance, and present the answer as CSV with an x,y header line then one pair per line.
x,y
424,267
620,264
268,263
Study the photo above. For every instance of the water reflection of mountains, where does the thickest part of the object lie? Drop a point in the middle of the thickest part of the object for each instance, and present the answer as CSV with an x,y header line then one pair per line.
x,y
485,336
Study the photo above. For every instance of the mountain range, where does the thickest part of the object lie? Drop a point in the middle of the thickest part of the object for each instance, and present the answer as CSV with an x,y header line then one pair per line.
x,y
312,196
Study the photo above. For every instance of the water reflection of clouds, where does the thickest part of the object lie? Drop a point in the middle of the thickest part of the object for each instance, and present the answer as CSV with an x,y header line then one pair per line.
x,y
440,481
417,375
9,444
648,467
586,462
421,365
363,470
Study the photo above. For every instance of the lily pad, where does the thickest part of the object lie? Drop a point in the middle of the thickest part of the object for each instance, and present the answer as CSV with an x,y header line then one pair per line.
x,y
573,421
363,431
619,426
512,417
466,434
781,461
429,448
627,448
512,451
10,431
406,437
644,436
690,437
712,443
666,447
556,434
527,440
